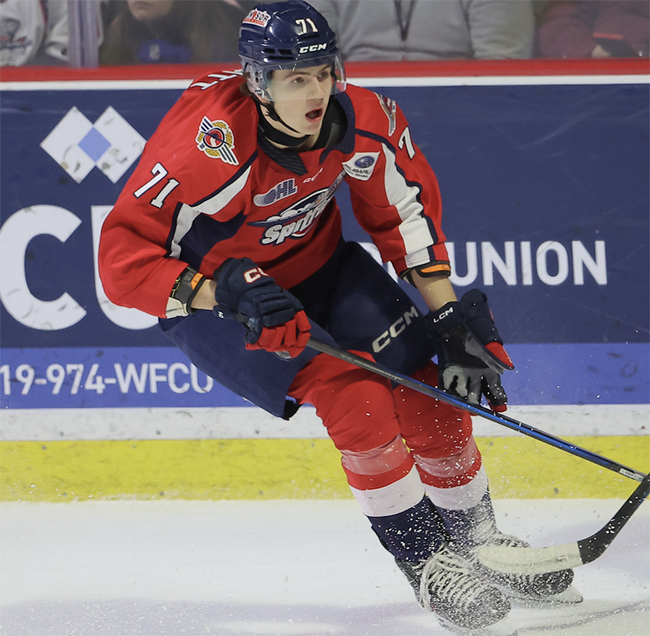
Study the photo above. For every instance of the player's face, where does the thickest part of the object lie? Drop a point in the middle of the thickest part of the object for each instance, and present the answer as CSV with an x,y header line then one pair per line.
x,y
145,10
301,96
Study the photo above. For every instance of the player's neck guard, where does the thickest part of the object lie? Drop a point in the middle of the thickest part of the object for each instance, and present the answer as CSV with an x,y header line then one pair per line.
x,y
333,128
273,134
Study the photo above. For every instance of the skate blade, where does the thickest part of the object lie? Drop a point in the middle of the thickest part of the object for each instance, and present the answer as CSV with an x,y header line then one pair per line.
x,y
503,628
570,596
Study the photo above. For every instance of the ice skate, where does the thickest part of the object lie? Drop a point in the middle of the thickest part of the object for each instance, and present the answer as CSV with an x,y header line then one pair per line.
x,y
527,589
475,527
446,585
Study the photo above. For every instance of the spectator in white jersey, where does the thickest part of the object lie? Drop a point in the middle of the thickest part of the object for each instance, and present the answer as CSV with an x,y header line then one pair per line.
x,y
431,29
33,32
22,25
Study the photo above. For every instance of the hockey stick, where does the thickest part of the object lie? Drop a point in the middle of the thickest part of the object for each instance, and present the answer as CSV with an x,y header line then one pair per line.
x,y
522,560
475,409
568,555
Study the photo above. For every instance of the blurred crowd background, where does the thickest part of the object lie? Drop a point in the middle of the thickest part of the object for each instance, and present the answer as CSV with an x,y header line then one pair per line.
x,y
91,33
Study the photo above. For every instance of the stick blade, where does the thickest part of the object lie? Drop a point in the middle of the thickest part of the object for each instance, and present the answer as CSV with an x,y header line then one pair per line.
x,y
530,560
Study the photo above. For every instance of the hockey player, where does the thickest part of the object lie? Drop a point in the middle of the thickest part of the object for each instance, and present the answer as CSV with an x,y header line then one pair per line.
x,y
228,230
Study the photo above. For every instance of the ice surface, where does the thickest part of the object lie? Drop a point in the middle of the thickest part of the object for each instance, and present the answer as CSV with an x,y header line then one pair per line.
x,y
299,568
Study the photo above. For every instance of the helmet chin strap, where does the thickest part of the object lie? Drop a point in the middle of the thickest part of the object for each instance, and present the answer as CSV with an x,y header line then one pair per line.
x,y
273,134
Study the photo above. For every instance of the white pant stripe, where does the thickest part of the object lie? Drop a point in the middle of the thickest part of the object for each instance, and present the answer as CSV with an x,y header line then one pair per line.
x,y
460,497
391,500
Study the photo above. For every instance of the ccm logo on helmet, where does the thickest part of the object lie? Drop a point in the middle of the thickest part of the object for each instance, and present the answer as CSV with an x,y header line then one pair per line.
x,y
395,329
312,48
254,274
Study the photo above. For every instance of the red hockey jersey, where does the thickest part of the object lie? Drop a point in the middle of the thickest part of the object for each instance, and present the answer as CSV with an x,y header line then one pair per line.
x,y
206,189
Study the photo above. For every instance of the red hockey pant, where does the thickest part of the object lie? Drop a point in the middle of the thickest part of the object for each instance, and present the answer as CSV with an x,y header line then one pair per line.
x,y
395,442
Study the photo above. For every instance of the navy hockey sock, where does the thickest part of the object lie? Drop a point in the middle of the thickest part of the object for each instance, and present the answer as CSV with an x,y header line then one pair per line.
x,y
412,535
471,527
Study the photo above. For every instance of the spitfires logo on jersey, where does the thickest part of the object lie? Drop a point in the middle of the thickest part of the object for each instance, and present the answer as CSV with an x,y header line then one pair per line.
x,y
258,18
216,140
297,220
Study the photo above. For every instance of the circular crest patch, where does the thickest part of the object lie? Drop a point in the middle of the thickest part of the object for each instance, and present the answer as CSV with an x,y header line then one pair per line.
x,y
216,140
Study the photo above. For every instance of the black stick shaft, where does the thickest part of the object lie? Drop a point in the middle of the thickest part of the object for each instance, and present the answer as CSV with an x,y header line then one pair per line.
x,y
592,547
474,409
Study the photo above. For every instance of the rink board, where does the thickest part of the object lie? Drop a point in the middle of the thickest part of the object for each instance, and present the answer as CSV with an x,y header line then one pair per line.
x,y
545,189
284,469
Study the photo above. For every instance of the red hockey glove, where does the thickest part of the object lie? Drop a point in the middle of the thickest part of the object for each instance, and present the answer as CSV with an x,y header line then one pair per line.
x,y
275,318
471,356
291,337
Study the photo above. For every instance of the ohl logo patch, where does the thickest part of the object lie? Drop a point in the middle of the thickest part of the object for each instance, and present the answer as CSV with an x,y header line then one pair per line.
x,y
280,191
216,140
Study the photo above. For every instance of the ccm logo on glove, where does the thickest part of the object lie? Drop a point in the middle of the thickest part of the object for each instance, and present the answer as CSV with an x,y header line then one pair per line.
x,y
442,315
254,274
275,319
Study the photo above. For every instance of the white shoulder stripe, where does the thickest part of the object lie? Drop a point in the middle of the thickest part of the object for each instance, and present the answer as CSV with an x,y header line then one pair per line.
x,y
210,206
220,200
413,227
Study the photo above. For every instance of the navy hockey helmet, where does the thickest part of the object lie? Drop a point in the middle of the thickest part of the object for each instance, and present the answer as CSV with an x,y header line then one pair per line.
x,y
286,36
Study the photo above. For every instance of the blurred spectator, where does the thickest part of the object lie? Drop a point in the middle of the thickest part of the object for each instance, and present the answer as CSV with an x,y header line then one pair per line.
x,y
33,32
172,31
22,25
431,29
54,50
595,28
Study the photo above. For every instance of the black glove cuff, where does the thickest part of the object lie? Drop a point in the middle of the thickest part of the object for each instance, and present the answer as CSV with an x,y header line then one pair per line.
x,y
446,318
478,317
